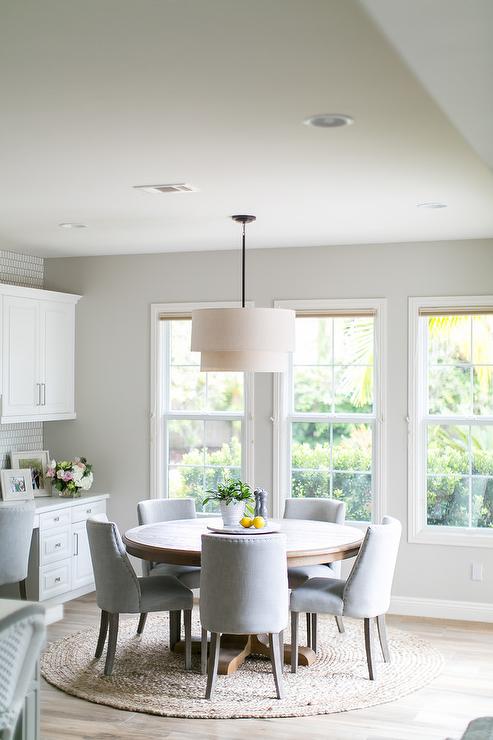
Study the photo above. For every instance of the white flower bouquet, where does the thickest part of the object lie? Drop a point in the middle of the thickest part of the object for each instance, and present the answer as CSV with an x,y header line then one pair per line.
x,y
70,477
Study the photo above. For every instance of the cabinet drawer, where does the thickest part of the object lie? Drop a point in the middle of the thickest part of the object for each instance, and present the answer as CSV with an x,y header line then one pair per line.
x,y
57,518
84,511
55,579
55,544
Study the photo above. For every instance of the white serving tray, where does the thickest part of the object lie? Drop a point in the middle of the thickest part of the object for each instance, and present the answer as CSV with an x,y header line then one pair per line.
x,y
238,529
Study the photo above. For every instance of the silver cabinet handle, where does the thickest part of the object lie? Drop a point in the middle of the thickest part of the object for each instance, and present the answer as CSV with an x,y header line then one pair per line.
x,y
44,394
76,544
57,579
58,544
88,511
56,518
38,391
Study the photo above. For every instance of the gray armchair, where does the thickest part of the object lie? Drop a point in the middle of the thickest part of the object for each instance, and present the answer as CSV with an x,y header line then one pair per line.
x,y
152,511
244,590
364,595
16,530
318,510
22,634
118,590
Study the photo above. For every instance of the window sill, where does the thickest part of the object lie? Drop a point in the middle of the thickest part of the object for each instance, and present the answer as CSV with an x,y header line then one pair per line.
x,y
452,536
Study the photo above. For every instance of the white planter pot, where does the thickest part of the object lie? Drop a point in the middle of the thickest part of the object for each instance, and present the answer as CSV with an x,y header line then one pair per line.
x,y
232,513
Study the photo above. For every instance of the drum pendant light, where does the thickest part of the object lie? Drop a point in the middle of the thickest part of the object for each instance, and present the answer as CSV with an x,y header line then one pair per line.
x,y
243,339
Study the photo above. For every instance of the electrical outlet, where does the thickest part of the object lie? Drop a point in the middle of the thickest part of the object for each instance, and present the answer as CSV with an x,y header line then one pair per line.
x,y
476,571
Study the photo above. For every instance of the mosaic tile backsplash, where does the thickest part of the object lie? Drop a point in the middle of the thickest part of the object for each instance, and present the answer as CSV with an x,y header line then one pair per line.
x,y
20,269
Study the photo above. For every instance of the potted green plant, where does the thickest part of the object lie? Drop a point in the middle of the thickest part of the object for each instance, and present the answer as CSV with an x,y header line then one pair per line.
x,y
233,496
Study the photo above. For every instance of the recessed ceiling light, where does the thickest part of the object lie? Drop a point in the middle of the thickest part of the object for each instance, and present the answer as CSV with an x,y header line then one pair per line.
x,y
173,187
72,226
431,204
329,120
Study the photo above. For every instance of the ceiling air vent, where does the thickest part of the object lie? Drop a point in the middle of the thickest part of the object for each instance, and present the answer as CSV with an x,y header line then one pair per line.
x,y
175,187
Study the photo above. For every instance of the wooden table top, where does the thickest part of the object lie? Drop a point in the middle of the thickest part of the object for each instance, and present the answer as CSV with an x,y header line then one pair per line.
x,y
179,542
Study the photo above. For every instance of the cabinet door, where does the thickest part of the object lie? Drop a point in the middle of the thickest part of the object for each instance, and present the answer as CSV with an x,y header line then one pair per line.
x,y
21,392
82,573
57,357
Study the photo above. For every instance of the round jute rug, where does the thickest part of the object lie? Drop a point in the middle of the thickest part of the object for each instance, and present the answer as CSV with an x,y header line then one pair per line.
x,y
148,678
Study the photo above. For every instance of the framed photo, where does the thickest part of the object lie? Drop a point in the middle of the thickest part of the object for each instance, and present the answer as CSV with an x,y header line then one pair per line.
x,y
16,484
37,462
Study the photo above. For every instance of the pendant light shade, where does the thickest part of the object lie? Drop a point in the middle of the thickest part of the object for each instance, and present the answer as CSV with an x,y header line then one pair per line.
x,y
243,339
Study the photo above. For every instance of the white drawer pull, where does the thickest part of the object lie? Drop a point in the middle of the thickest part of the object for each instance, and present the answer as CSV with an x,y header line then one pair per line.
x,y
57,579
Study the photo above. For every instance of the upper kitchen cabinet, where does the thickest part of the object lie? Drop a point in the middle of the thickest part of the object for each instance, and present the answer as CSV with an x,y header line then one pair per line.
x,y
38,349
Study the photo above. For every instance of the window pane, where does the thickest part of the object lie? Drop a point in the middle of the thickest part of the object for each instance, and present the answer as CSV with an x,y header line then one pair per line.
x,y
186,442
313,389
448,501
483,390
187,389
448,449
482,502
352,447
181,338
449,339
223,443
355,490
353,389
313,341
310,446
449,391
186,481
310,483
482,450
353,341
225,391
482,340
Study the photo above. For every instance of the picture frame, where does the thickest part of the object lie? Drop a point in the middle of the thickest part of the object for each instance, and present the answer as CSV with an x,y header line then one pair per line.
x,y
16,484
37,461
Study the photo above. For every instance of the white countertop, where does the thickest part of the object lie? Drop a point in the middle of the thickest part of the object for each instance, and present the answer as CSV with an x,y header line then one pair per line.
x,y
49,503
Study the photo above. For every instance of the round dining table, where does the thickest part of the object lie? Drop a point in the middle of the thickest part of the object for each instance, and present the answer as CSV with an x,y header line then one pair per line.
x,y
178,542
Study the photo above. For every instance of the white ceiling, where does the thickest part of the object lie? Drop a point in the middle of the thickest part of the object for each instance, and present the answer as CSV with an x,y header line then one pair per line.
x,y
100,96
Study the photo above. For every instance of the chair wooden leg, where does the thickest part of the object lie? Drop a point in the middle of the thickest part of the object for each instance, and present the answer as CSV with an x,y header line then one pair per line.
x,y
340,625
174,628
213,663
281,648
308,630
112,639
203,652
22,590
275,656
370,659
294,640
382,636
142,623
187,619
103,631
314,633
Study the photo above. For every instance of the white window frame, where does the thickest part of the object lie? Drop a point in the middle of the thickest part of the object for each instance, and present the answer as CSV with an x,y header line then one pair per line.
x,y
158,478
419,531
281,444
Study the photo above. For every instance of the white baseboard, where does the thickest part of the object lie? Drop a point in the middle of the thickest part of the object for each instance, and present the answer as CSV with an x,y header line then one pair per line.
x,y
413,606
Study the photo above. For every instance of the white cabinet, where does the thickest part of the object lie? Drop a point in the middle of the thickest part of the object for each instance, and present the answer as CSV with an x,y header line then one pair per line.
x,y
38,348
82,573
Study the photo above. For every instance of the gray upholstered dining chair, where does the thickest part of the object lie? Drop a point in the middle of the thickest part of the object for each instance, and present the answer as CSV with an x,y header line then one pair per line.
x,y
244,591
119,591
152,511
16,530
319,510
364,595
22,634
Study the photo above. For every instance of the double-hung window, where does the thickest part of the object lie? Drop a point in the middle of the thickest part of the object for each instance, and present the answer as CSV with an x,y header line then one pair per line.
x,y
451,420
330,405
201,432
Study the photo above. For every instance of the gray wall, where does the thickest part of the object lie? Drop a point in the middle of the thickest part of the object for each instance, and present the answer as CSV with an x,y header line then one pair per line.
x,y
112,428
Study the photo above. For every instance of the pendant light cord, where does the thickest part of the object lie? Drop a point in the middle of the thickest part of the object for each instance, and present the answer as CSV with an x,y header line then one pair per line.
x,y
243,262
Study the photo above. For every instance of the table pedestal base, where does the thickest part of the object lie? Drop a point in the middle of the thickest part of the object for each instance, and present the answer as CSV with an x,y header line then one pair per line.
x,y
236,648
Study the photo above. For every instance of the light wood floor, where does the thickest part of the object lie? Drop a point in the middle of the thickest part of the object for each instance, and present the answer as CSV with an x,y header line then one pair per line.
x,y
440,710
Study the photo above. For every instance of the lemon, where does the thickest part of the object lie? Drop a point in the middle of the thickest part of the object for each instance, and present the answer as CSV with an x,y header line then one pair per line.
x,y
246,522
259,522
